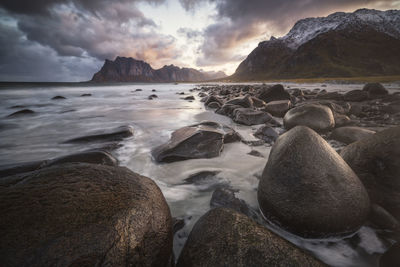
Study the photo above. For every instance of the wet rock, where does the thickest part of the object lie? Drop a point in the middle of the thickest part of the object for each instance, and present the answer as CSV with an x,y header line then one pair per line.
x,y
383,219
317,117
93,157
204,140
138,90
100,215
227,110
59,97
375,89
189,98
212,98
350,134
330,96
255,153
356,96
153,90
276,92
86,95
278,108
201,94
248,116
391,108
341,120
214,105
150,97
206,181
266,133
307,188
224,237
116,134
391,258
21,113
376,161
245,102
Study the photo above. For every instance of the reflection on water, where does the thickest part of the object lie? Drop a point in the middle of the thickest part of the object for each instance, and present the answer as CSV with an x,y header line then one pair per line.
x,y
40,136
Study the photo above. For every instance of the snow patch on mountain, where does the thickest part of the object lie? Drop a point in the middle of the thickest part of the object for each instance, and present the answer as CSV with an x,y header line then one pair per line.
x,y
306,29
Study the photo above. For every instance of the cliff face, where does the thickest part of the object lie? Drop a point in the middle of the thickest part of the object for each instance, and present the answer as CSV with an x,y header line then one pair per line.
x,y
363,43
124,69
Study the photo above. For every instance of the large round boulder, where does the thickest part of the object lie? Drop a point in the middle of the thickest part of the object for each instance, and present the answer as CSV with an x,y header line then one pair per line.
x,y
317,117
375,89
309,189
224,237
278,108
350,134
273,93
203,140
376,161
80,214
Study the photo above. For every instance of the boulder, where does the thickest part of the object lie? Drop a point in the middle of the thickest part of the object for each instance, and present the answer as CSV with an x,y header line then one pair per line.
x,y
330,96
273,93
341,120
214,105
375,89
376,161
248,116
278,108
258,103
350,134
224,237
83,95
203,140
21,112
93,157
383,219
391,258
80,214
308,189
205,181
266,133
356,96
255,153
189,98
245,102
116,134
212,98
227,110
317,117
58,97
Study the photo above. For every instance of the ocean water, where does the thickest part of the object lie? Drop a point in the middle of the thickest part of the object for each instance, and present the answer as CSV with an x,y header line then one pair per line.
x,y
41,135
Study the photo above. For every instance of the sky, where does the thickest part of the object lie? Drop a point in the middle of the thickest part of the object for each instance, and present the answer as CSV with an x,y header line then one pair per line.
x,y
68,40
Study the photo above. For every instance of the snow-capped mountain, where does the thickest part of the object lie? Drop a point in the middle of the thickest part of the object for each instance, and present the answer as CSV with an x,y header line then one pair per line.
x,y
363,43
306,29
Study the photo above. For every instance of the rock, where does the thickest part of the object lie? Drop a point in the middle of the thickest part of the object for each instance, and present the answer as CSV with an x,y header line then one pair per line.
x,y
138,90
58,97
276,92
341,120
376,161
214,105
153,90
116,134
204,140
86,94
205,180
330,96
255,153
391,108
350,134
278,108
245,102
383,219
356,96
375,89
213,99
224,237
248,116
307,188
150,97
258,103
317,117
21,112
227,110
189,98
93,157
83,215
266,133
391,258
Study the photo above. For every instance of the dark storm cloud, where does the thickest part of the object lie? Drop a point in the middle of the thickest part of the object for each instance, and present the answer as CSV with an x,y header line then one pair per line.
x,y
242,20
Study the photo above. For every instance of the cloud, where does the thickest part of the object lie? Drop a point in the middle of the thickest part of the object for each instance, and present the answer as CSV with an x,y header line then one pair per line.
x,y
240,22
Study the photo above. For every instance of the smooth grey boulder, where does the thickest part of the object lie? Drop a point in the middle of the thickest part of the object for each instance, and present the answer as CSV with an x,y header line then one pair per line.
x,y
227,110
266,133
248,116
356,96
375,89
308,189
203,140
376,161
317,117
80,214
350,134
246,102
273,93
278,108
116,134
224,237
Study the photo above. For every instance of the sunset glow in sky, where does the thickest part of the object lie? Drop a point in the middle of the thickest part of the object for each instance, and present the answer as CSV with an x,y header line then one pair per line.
x,y
68,40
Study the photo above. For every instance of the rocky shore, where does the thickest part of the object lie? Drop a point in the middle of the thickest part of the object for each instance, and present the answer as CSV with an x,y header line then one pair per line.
x,y
333,168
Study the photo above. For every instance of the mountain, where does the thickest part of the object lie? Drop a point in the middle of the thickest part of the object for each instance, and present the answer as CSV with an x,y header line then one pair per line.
x,y
363,43
124,69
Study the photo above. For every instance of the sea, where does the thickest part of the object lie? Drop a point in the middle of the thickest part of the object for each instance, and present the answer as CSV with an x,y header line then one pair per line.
x,y
41,136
